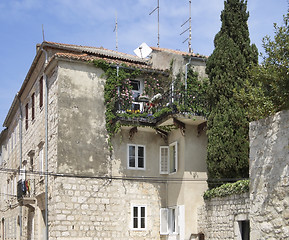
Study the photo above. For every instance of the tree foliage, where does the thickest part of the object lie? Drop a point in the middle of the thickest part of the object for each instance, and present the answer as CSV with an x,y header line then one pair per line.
x,y
273,73
228,69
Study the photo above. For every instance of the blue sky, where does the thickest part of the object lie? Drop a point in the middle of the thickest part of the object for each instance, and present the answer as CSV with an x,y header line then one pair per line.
x,y
91,22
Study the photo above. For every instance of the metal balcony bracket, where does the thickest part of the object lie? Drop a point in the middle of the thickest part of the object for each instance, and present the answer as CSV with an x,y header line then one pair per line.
x,y
180,125
132,132
163,134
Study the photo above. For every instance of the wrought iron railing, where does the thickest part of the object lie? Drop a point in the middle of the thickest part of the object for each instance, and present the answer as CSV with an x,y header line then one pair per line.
x,y
173,101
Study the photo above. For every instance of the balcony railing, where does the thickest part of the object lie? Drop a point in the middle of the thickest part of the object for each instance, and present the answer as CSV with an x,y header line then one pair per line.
x,y
25,189
171,102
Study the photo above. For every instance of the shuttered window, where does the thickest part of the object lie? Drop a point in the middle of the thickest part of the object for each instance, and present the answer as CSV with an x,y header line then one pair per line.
x,y
164,160
172,221
169,158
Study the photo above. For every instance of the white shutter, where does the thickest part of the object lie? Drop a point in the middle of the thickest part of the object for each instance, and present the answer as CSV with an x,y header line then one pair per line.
x,y
164,160
181,221
173,157
164,221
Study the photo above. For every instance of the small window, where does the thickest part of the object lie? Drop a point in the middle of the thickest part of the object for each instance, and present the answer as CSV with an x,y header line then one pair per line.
x,y
40,92
136,157
33,106
138,217
169,158
41,160
26,116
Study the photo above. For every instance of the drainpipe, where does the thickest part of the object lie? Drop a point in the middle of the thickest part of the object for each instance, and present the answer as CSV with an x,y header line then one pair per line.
x,y
46,143
20,159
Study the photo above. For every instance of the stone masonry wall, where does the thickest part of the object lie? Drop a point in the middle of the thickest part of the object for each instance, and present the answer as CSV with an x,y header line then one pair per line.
x,y
269,173
218,218
91,209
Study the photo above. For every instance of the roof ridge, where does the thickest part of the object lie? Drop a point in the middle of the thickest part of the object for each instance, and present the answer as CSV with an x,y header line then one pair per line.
x,y
178,52
91,47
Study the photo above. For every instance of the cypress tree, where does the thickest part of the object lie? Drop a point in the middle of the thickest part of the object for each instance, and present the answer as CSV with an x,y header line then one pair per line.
x,y
228,69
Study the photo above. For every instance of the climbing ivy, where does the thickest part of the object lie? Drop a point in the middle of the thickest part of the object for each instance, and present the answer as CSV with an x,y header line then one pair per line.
x,y
118,96
228,189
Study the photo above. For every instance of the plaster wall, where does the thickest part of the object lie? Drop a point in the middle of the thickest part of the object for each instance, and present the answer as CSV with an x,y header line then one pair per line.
x,y
185,186
164,59
82,137
269,174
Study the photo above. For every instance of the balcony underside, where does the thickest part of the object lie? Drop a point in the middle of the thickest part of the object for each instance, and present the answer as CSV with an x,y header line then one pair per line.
x,y
177,120
27,201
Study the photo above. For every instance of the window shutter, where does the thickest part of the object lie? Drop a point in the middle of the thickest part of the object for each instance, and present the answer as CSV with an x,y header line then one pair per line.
x,y
164,160
181,221
164,221
173,156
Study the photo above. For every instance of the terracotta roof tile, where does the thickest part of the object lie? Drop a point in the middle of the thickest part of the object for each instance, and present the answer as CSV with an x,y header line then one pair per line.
x,y
98,51
88,57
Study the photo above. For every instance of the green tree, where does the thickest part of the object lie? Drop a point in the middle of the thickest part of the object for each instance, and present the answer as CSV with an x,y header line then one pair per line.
x,y
228,69
273,73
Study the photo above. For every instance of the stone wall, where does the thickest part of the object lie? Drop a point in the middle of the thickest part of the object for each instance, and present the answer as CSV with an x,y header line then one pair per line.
x,y
269,173
219,218
91,208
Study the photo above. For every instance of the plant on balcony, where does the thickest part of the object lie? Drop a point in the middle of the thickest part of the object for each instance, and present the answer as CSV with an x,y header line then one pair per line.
x,y
157,96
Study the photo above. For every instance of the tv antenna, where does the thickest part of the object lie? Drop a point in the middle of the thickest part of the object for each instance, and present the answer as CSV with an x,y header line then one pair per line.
x,y
115,30
157,8
189,39
43,33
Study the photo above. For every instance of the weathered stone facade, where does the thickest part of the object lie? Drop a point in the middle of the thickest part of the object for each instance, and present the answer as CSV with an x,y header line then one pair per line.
x,y
269,174
92,193
220,218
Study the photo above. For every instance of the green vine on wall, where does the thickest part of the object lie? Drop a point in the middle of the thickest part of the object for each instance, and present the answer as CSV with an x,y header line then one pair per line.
x,y
228,189
118,95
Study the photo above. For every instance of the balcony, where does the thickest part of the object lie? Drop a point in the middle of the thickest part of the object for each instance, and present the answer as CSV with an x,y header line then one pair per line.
x,y
156,110
25,193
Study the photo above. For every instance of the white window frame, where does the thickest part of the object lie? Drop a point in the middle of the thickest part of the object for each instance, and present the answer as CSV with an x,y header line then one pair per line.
x,y
139,217
167,160
167,218
136,157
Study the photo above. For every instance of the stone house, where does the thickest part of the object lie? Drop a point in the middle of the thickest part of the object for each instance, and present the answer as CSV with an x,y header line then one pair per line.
x,y
85,154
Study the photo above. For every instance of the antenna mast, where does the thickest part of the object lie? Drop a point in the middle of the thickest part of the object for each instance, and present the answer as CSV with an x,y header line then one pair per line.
x,y
157,8
115,30
189,28
43,33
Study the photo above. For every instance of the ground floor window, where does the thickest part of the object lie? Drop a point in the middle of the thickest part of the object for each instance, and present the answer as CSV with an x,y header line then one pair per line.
x,y
172,220
138,217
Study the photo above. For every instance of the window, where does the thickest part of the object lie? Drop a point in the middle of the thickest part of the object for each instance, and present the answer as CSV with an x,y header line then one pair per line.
x,y
172,221
26,116
33,106
169,158
137,89
138,217
41,160
40,92
136,156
